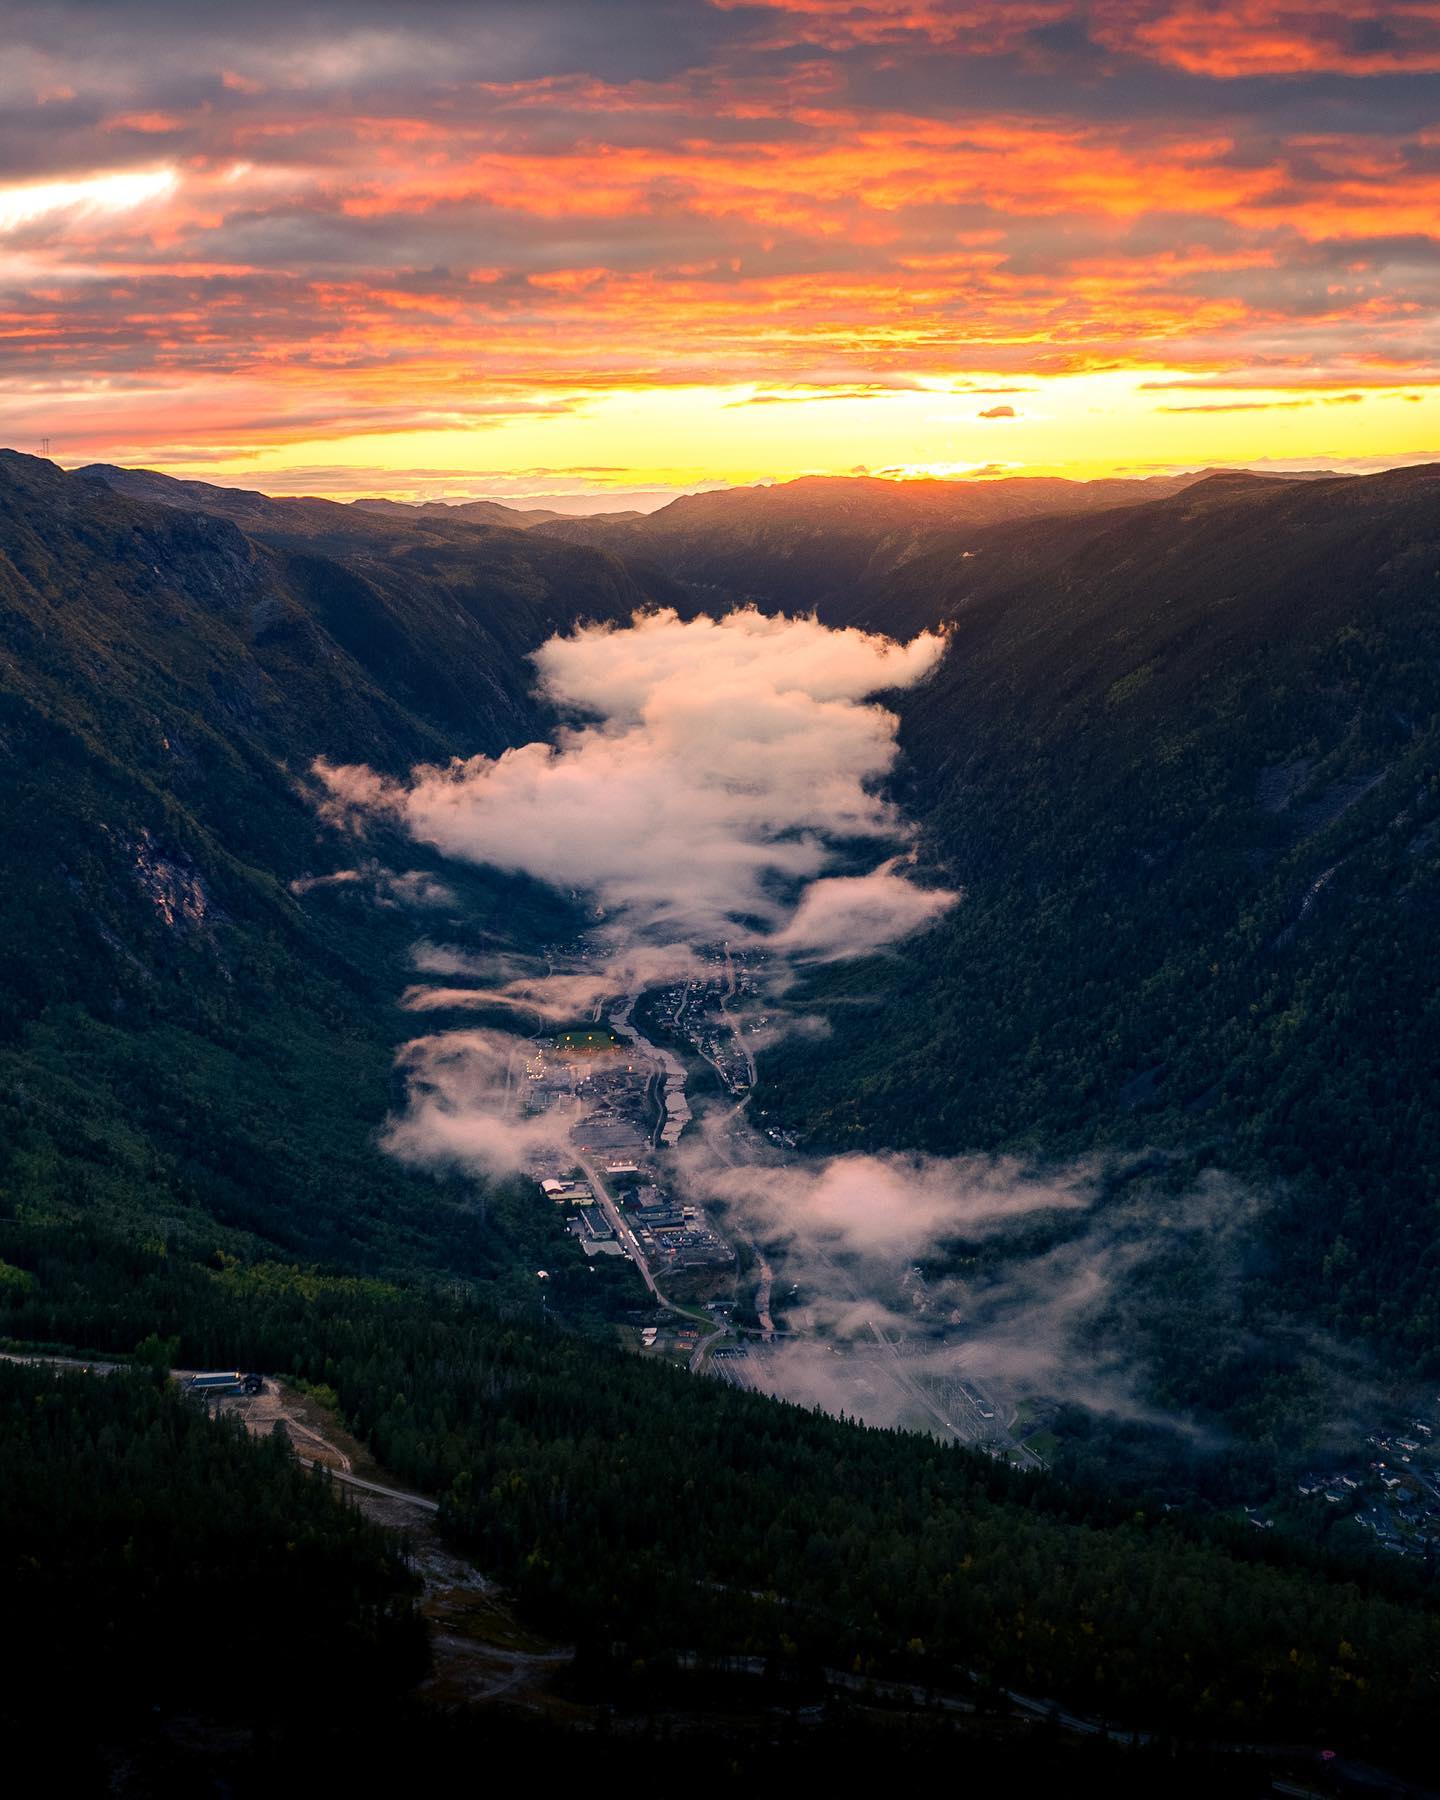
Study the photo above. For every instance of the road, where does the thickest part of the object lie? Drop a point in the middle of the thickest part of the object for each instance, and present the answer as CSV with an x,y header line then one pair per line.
x,y
735,1031
631,1245
904,1379
490,1670
627,1239
692,988
913,1391
278,1414
521,1665
371,1487
62,1364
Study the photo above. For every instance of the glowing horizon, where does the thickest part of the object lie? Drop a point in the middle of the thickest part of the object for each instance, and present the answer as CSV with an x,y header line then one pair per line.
x,y
666,244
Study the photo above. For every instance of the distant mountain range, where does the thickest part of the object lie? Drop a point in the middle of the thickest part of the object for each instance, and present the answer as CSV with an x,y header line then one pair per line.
x,y
798,543
483,512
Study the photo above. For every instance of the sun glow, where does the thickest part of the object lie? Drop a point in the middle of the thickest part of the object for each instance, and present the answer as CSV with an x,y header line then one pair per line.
x,y
1131,422
944,240
113,193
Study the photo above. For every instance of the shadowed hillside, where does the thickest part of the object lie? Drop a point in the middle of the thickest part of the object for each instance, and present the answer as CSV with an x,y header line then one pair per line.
x,y
1185,760
185,1042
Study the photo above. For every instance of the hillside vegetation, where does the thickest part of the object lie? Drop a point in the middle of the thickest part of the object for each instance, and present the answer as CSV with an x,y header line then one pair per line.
x,y
186,1043
647,1516
194,1059
1185,761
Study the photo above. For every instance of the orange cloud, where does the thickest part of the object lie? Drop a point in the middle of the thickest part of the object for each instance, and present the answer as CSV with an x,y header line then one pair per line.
x,y
826,199
1283,37
1213,38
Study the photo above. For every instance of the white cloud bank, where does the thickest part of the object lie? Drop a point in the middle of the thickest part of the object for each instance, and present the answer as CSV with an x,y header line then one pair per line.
x,y
462,1112
701,793
711,774
885,1206
723,761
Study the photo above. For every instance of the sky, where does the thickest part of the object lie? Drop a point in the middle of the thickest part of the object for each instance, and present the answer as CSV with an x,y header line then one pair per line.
x,y
629,248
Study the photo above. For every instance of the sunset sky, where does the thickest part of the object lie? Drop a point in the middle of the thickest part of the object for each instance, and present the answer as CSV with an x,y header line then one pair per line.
x,y
575,246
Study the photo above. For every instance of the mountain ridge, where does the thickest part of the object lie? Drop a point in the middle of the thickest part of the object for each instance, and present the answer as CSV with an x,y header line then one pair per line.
x,y
805,542
196,1060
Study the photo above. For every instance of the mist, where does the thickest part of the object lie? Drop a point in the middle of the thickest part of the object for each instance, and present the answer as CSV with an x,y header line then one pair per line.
x,y
715,783
462,1112
886,1207
720,766
709,783
382,886
1027,1277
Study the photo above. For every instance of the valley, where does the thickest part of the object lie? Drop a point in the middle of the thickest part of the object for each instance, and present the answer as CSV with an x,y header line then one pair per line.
x,y
628,1175
218,1128
720,939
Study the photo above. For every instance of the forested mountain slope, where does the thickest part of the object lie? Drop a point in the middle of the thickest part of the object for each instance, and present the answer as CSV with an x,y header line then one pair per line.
x,y
1185,761
150,1552
439,612
186,1043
